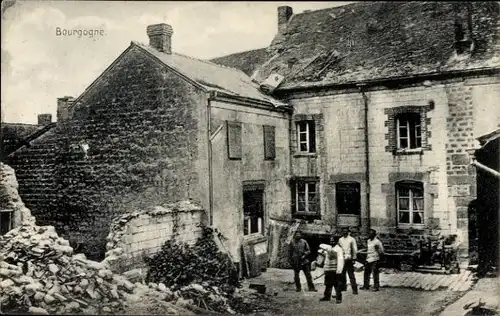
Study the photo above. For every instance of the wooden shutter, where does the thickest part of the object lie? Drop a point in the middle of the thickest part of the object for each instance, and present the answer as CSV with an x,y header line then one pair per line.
x,y
293,189
312,137
269,142
234,140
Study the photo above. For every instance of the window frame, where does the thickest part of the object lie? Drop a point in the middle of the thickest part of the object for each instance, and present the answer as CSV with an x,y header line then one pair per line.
x,y
310,135
411,186
260,228
307,191
411,131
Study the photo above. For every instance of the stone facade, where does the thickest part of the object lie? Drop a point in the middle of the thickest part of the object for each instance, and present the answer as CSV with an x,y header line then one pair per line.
x,y
144,135
450,119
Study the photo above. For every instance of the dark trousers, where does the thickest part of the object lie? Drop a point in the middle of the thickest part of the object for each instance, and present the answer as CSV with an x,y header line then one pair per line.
x,y
349,270
369,268
333,280
307,272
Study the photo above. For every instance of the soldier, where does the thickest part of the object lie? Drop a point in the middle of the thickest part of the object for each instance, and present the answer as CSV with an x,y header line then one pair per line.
x,y
350,249
374,254
298,252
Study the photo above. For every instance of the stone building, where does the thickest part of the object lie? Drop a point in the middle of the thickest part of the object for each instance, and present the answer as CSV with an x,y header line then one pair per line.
x,y
387,97
158,127
377,111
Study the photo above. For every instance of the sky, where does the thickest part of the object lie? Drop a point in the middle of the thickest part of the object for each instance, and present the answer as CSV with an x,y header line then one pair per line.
x,y
39,66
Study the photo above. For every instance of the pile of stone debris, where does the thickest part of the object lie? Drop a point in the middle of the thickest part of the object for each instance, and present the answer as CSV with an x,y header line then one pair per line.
x,y
39,275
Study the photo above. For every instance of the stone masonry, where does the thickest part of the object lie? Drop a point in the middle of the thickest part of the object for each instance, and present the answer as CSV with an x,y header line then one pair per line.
x,y
136,235
126,137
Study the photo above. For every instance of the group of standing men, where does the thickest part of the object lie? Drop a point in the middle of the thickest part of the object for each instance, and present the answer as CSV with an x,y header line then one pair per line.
x,y
340,256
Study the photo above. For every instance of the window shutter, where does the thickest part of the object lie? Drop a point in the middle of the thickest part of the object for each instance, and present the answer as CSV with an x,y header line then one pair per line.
x,y
234,140
312,137
269,142
293,188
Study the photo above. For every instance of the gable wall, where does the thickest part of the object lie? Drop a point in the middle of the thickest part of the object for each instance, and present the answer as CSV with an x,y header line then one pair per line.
x,y
140,128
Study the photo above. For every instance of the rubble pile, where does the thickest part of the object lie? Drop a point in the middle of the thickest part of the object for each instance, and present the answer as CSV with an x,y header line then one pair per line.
x,y
200,275
39,275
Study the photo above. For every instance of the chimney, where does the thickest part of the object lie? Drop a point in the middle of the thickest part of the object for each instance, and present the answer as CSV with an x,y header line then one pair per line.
x,y
463,28
44,119
63,105
284,15
160,37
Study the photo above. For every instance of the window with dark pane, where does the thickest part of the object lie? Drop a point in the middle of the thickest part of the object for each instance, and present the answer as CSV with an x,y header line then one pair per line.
x,y
410,202
253,211
269,142
348,198
234,140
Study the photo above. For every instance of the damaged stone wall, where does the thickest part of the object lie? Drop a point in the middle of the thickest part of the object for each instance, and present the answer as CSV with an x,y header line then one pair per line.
x,y
139,130
136,235
10,201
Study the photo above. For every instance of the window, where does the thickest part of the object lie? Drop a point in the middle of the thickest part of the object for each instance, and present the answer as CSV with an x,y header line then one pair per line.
x,y
234,140
269,143
409,132
5,222
410,203
348,198
305,197
306,137
253,210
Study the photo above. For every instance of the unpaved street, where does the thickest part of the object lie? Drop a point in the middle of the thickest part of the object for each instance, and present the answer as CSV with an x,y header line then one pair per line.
x,y
388,301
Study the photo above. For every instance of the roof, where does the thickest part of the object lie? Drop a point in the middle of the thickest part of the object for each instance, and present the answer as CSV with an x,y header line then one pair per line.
x,y
211,76
379,40
486,138
247,61
14,134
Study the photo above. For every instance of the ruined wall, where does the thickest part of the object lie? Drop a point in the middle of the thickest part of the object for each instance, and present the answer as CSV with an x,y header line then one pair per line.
x,y
138,126
448,127
10,201
230,175
134,236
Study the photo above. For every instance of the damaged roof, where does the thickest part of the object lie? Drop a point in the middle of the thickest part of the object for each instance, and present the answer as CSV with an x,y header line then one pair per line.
x,y
380,40
247,61
213,77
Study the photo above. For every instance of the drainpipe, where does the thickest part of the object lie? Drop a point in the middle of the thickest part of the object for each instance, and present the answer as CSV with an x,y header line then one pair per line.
x,y
367,154
210,171
485,168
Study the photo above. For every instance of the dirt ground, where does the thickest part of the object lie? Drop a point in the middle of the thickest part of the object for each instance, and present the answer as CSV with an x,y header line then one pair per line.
x,y
283,300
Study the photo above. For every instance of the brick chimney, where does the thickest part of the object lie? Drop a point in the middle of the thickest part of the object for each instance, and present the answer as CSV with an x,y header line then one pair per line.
x,y
63,105
463,27
44,119
160,37
284,15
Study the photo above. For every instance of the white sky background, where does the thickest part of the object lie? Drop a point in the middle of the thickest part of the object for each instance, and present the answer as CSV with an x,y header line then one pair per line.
x,y
38,66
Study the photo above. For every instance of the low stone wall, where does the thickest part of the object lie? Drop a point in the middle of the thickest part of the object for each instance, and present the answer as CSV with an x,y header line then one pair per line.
x,y
137,235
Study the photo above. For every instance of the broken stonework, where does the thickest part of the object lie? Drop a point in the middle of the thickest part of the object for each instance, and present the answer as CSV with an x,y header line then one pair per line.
x,y
139,234
10,201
